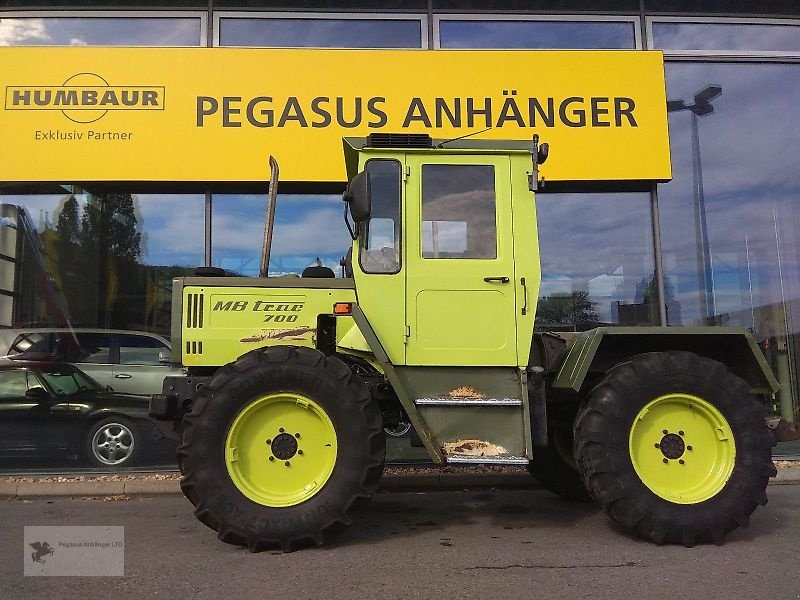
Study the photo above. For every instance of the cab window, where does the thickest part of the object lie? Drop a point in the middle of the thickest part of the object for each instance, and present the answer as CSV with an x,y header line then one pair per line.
x,y
380,236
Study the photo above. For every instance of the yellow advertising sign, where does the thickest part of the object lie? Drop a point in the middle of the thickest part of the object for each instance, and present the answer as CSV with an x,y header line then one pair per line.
x,y
215,114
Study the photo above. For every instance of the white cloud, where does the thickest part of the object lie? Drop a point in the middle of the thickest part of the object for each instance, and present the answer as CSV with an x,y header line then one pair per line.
x,y
15,32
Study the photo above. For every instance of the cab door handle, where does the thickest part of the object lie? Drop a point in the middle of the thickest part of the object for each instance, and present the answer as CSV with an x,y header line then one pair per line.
x,y
122,376
498,279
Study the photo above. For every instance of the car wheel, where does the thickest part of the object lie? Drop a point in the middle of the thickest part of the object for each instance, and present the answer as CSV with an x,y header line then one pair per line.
x,y
113,442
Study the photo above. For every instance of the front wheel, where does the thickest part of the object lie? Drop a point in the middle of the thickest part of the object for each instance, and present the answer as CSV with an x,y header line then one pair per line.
x,y
673,446
279,446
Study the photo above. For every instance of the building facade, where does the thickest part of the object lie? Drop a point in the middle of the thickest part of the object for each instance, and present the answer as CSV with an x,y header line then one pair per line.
x,y
718,245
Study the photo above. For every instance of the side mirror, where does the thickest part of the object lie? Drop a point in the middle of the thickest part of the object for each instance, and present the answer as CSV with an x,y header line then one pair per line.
x,y
358,197
37,394
544,152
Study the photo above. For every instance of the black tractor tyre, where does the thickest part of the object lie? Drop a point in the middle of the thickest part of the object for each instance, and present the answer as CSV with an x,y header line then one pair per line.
x,y
554,466
358,467
603,449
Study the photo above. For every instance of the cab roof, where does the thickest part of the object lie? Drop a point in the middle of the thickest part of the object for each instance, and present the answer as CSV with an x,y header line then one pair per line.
x,y
394,143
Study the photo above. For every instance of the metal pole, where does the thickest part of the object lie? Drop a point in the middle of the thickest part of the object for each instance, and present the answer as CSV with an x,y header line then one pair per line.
x,y
207,260
269,223
657,255
698,234
708,274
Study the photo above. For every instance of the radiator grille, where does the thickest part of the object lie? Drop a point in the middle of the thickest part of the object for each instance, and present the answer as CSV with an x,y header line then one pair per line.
x,y
194,311
194,348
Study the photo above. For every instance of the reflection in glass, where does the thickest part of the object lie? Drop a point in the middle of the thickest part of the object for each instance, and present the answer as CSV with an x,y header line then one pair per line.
x,y
750,192
83,277
536,34
306,228
96,260
380,238
458,211
597,261
100,31
321,33
724,36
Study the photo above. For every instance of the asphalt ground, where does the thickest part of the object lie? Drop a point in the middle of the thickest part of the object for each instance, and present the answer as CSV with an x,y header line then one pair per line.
x,y
484,544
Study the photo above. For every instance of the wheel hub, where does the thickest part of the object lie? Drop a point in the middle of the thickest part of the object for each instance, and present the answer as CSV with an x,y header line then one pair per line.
x,y
695,449
672,446
284,446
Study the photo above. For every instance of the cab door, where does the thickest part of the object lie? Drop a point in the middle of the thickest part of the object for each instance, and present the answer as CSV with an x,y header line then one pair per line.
x,y
460,299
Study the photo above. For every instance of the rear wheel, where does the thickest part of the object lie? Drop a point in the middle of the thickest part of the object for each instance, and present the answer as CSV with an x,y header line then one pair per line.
x,y
279,446
673,446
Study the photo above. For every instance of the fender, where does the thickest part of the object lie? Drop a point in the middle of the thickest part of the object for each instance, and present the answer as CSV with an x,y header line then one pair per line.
x,y
598,350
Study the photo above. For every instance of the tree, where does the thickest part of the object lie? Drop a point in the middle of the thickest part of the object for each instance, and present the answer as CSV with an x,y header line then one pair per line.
x,y
564,308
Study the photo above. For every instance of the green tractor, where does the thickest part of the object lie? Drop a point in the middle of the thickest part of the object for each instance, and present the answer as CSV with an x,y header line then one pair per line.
x,y
291,380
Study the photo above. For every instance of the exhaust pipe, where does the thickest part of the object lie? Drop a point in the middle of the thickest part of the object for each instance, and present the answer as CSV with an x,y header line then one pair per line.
x,y
269,223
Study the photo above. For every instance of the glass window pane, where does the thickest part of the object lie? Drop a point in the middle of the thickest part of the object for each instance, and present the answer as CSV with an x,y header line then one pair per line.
x,y
102,260
13,384
321,33
726,36
730,222
536,34
458,211
597,261
380,240
307,228
90,347
77,267
141,350
100,31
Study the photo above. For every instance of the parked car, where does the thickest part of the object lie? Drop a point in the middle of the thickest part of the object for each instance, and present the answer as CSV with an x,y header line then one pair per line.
x,y
51,410
131,362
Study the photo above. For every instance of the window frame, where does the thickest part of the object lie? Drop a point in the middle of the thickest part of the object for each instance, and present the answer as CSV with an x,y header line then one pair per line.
x,y
421,18
633,20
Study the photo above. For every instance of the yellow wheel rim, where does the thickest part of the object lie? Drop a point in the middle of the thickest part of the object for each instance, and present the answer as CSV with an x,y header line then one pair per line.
x,y
682,448
281,449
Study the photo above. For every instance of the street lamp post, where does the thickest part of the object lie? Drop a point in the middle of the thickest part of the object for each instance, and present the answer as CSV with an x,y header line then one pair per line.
x,y
701,107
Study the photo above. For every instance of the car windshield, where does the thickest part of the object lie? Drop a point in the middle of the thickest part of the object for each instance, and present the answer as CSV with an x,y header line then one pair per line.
x,y
65,381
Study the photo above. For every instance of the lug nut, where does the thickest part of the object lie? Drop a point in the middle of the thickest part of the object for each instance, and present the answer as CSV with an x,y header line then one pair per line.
x,y
271,458
269,441
666,460
281,430
658,445
680,433
664,431
287,463
681,462
299,451
689,448
297,435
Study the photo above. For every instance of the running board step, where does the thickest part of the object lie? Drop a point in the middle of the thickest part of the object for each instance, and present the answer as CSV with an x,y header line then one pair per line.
x,y
468,402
